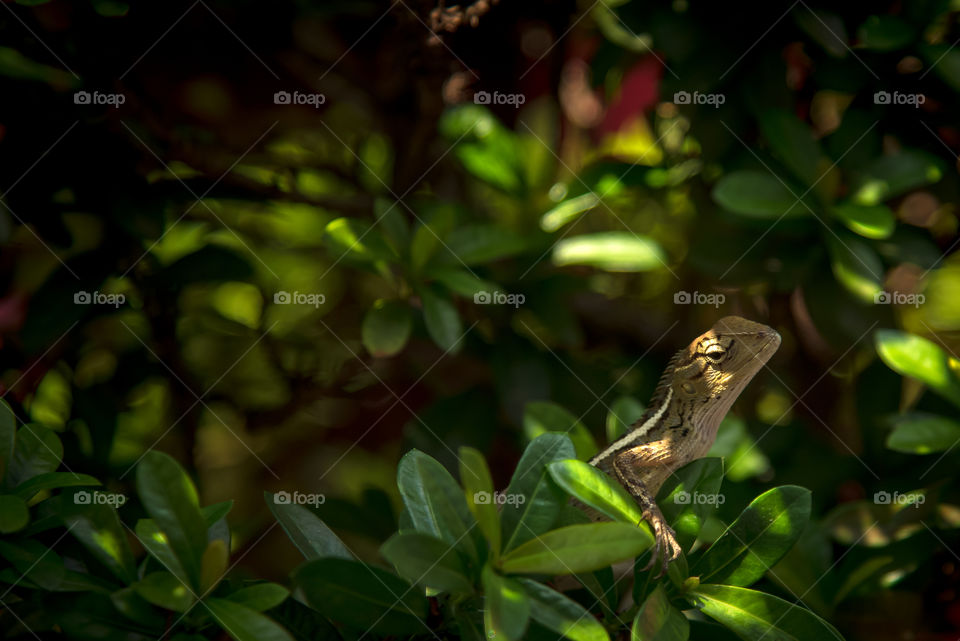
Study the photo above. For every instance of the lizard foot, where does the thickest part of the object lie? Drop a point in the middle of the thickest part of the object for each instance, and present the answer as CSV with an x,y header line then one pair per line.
x,y
665,543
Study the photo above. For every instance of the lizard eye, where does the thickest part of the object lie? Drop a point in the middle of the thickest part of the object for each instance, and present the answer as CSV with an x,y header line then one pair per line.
x,y
715,353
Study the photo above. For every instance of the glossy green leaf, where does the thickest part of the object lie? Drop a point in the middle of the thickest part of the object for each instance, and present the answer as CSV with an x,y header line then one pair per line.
x,y
260,597
485,147
506,611
428,561
435,502
870,221
578,548
658,620
540,417
856,266
356,240
362,596
885,33
386,327
164,590
310,534
688,497
99,529
568,210
596,489
14,514
922,359
891,176
536,500
460,281
157,544
51,481
757,194
792,142
443,321
624,412
562,615
755,615
38,451
245,624
612,251
478,488
762,534
8,435
170,498
920,433
34,561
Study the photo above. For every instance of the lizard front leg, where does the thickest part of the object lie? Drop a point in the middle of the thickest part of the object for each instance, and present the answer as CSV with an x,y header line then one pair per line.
x,y
628,466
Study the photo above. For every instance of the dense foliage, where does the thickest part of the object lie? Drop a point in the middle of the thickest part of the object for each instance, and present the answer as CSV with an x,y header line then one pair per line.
x,y
328,256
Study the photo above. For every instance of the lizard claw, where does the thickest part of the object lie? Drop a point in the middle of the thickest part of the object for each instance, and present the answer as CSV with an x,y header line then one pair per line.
x,y
665,543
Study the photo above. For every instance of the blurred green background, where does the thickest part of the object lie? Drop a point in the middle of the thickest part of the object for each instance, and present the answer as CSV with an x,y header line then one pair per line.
x,y
286,242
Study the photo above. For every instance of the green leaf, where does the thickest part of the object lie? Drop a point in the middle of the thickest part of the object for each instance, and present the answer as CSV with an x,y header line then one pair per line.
x,y
460,281
362,596
920,433
14,514
434,225
424,559
891,176
596,489
755,615
157,544
578,548
825,27
657,620
351,238
478,244
762,534
612,251
443,321
757,194
169,497
386,327
506,610
945,61
245,624
435,502
922,359
35,562
870,221
566,211
99,529
856,266
38,451
260,597
562,615
166,591
310,534
478,488
51,481
540,417
8,435
684,514
485,147
541,502
213,514
624,412
885,33
792,142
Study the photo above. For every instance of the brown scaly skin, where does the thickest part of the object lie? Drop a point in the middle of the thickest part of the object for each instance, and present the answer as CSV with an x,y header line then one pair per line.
x,y
696,391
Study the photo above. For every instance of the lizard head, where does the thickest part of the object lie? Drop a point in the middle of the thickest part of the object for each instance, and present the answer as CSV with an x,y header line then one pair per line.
x,y
719,363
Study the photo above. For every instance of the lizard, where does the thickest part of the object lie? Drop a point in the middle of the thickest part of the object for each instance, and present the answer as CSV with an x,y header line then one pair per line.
x,y
697,389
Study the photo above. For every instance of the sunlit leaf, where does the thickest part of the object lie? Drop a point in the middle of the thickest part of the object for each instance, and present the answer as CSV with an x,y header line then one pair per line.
x,y
919,433
890,176
478,488
506,606
689,496
568,210
562,615
757,194
164,590
578,548
856,266
540,417
612,251
870,221
920,358
596,489
386,327
792,142
658,620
